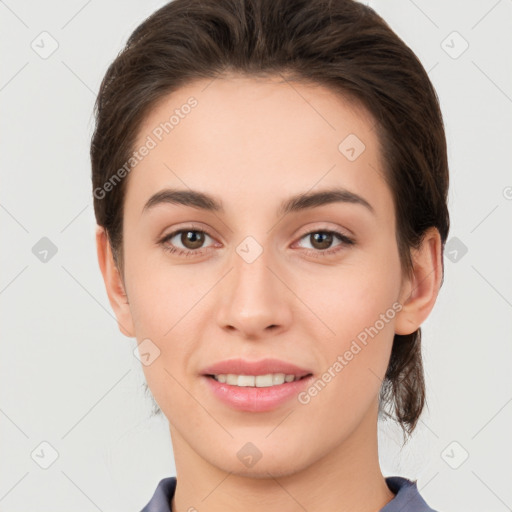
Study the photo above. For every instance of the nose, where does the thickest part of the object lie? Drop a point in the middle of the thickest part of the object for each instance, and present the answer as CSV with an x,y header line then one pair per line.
x,y
254,300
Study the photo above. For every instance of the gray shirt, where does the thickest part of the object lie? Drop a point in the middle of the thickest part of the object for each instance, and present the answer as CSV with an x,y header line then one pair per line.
x,y
407,499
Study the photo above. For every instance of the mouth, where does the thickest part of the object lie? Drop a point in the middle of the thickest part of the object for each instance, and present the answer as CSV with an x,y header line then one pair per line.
x,y
259,373
256,393
255,386
257,381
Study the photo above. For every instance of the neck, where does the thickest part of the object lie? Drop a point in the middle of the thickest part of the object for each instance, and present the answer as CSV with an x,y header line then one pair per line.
x,y
346,478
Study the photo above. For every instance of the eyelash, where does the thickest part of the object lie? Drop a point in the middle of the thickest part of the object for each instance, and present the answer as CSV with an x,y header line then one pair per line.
x,y
314,252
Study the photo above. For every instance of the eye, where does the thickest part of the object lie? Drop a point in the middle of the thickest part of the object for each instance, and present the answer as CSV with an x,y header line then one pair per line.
x,y
321,242
191,240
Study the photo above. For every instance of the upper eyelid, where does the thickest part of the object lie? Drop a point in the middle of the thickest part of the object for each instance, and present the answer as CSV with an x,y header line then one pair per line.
x,y
190,227
204,230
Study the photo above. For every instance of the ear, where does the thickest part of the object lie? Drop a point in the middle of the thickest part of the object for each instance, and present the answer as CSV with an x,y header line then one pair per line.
x,y
419,292
114,283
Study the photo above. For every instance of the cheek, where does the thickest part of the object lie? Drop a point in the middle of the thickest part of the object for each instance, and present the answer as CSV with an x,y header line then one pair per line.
x,y
160,294
166,307
355,359
167,304
351,298
358,303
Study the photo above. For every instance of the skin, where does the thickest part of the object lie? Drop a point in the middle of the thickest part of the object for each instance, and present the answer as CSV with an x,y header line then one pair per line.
x,y
253,143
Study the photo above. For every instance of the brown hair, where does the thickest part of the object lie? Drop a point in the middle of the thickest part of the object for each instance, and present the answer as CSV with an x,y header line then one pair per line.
x,y
341,44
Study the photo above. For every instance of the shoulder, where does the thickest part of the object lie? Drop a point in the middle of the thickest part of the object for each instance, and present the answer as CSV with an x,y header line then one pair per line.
x,y
407,496
161,499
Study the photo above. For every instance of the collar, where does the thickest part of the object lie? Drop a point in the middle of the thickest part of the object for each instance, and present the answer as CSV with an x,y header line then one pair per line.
x,y
407,499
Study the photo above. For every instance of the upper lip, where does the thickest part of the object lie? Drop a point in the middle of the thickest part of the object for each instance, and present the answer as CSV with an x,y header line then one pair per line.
x,y
260,367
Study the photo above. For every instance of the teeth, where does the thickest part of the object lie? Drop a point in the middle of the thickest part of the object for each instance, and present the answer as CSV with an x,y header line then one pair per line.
x,y
259,381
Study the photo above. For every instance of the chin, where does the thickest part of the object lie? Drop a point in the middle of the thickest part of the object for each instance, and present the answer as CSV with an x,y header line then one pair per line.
x,y
264,468
265,471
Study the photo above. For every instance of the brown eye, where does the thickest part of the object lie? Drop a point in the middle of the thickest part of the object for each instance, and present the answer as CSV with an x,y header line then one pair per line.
x,y
321,240
186,242
192,239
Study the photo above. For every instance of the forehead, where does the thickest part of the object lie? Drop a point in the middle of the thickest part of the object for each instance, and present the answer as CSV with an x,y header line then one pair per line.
x,y
258,137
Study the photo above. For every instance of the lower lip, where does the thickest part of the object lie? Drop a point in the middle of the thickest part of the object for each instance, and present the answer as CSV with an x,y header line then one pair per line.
x,y
253,399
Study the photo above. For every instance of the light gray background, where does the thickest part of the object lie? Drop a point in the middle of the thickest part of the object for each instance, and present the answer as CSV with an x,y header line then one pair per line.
x,y
69,377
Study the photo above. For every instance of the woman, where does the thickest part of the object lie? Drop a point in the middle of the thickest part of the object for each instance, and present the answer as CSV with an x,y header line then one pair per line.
x,y
270,183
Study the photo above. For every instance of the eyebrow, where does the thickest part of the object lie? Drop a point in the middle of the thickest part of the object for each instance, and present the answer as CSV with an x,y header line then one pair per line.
x,y
299,202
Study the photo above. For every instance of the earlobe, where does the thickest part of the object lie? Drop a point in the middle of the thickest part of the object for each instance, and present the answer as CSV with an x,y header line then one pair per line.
x,y
419,292
113,283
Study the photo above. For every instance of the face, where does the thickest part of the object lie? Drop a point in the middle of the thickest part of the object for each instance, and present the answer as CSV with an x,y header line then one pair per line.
x,y
314,283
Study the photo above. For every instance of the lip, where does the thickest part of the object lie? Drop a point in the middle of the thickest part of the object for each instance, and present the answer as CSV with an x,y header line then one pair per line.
x,y
254,399
261,367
